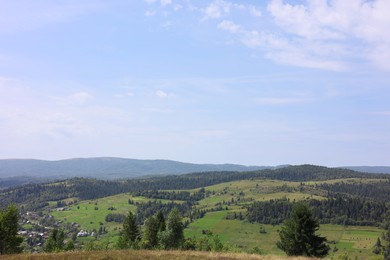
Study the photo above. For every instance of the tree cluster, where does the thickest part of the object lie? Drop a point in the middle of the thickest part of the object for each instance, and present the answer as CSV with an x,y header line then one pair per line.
x,y
340,209
173,195
115,217
157,233
379,191
37,195
298,234
10,242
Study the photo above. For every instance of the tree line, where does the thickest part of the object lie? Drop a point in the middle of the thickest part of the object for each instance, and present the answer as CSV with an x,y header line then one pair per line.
x,y
336,210
37,195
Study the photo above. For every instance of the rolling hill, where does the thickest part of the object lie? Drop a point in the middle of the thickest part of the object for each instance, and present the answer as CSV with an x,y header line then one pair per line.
x,y
107,168
369,169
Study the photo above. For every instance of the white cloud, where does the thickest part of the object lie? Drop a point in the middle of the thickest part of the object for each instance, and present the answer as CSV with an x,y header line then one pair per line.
x,y
165,2
361,26
254,11
214,10
177,7
229,26
219,8
330,35
301,59
161,94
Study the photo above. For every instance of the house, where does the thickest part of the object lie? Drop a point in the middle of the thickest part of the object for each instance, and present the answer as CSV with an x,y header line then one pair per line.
x,y
83,233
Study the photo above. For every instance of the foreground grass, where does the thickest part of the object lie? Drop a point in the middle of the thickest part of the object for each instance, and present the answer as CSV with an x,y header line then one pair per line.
x,y
145,254
355,241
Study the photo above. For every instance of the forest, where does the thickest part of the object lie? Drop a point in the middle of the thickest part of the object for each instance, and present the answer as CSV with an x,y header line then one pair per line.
x,y
36,195
264,197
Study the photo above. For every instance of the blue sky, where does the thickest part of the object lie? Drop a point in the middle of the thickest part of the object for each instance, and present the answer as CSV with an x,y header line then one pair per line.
x,y
250,82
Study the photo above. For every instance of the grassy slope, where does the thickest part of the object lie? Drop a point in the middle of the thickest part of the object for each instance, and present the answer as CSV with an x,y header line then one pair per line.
x,y
356,241
238,234
85,214
144,254
353,240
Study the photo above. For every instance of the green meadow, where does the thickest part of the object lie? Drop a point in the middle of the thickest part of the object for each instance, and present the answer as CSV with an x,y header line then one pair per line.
x,y
91,214
237,235
352,240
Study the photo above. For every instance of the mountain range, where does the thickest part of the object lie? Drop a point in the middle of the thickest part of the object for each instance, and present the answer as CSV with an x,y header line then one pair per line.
x,y
21,171
108,168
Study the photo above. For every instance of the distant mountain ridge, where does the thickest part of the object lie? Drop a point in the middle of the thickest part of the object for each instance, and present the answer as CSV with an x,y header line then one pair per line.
x,y
15,172
108,168
369,169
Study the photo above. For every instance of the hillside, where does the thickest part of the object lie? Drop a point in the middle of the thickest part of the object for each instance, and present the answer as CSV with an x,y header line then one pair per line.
x,y
107,168
244,210
145,254
369,169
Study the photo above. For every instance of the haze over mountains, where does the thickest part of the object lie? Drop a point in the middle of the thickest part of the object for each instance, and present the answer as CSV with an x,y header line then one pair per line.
x,y
108,168
21,171
369,169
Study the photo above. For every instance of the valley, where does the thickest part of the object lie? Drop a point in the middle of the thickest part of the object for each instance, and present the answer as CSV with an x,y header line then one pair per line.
x,y
222,203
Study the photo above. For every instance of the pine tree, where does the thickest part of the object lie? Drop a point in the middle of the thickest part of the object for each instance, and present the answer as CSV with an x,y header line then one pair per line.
x,y
377,247
160,221
173,236
297,236
9,240
386,249
150,235
55,242
130,233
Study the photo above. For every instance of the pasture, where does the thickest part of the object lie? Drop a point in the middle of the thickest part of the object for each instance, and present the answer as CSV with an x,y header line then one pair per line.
x,y
236,235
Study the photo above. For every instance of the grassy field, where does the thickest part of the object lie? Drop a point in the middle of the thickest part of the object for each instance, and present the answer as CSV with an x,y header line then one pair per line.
x,y
235,234
258,190
144,254
90,213
354,240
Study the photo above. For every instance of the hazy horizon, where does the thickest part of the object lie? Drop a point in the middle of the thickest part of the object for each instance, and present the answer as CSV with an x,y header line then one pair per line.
x,y
187,162
244,82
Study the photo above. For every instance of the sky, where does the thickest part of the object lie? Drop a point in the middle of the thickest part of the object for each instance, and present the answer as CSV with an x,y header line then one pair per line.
x,y
204,81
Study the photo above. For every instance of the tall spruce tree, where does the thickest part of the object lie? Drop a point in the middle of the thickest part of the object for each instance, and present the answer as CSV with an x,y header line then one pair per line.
x,y
130,233
173,236
150,234
386,249
297,236
55,242
10,242
160,220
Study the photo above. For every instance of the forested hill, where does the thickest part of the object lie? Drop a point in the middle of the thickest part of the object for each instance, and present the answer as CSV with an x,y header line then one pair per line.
x,y
108,168
36,195
369,169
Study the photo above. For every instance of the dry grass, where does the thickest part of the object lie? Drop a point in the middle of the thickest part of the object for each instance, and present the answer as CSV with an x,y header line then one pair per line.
x,y
144,254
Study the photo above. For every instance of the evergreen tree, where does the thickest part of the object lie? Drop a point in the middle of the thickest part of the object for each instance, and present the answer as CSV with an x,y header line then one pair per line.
x,y
160,221
173,236
377,247
55,242
386,249
9,240
130,233
297,236
150,235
